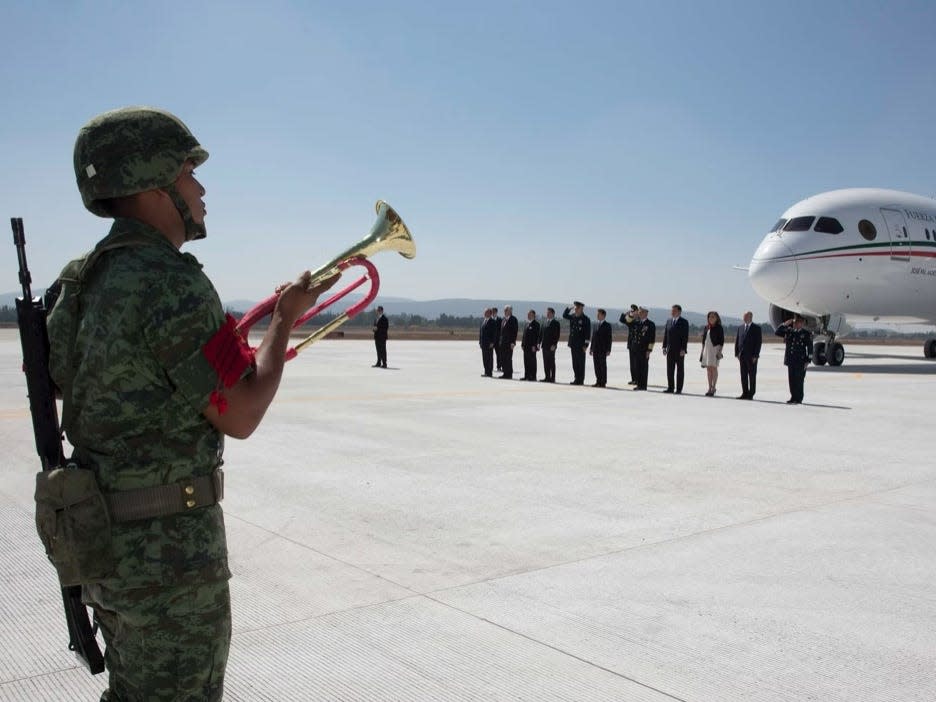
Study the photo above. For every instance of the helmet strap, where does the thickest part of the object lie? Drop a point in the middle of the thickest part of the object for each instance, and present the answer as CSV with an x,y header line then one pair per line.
x,y
193,230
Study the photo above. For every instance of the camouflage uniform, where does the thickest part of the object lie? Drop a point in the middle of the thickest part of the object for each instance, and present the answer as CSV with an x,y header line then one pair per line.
x,y
135,383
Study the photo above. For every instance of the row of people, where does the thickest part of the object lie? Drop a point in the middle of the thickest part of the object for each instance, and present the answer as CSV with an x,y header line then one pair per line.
x,y
498,337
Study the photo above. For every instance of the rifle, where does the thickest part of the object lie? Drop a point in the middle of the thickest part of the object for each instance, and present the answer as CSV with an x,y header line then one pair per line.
x,y
31,317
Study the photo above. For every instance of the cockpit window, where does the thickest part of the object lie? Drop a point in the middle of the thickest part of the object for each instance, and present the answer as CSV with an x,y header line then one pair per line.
x,y
778,226
828,225
799,224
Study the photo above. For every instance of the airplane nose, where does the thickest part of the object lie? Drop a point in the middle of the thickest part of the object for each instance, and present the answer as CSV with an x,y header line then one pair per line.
x,y
773,271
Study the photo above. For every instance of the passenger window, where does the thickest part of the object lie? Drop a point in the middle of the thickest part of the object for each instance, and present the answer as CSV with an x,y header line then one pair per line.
x,y
867,230
799,224
778,226
828,225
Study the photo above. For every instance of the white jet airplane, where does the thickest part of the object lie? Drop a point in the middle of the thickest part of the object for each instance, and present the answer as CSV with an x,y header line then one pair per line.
x,y
857,255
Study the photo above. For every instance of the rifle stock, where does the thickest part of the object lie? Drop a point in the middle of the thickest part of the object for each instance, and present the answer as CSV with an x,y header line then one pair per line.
x,y
34,337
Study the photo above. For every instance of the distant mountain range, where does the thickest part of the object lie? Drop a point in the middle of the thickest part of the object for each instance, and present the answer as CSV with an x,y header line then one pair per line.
x,y
456,307
465,307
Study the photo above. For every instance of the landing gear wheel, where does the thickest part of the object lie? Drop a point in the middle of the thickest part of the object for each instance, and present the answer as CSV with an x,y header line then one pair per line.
x,y
836,355
929,348
818,353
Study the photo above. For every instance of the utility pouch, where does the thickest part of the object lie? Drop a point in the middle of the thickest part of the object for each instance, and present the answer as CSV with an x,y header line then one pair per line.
x,y
74,525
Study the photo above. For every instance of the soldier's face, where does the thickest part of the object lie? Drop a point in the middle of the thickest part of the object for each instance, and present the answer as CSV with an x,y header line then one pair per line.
x,y
192,192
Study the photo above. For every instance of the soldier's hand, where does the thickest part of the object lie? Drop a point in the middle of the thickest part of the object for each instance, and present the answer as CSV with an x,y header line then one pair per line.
x,y
295,298
552,348
591,353
682,353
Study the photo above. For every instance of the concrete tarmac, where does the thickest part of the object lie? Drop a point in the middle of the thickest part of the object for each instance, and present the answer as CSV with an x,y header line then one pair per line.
x,y
423,533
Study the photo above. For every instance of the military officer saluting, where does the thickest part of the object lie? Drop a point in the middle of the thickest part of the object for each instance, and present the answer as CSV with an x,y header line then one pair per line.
x,y
579,336
796,356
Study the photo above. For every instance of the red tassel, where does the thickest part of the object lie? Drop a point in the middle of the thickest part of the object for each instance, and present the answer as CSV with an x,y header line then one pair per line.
x,y
228,353
219,401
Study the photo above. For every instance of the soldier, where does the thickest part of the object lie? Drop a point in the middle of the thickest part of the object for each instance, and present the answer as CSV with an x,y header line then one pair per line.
x,y
644,338
601,349
631,319
797,355
550,341
153,375
530,345
579,334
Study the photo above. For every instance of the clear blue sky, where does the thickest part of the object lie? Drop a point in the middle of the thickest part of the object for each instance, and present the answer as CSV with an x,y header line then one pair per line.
x,y
608,151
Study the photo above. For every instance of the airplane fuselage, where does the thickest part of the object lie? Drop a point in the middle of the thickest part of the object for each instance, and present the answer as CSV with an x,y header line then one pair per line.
x,y
864,253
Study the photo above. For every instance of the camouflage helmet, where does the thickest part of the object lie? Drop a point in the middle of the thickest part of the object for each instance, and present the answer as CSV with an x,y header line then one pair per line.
x,y
129,151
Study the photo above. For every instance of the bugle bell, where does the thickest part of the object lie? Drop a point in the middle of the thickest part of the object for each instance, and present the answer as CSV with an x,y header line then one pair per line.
x,y
389,233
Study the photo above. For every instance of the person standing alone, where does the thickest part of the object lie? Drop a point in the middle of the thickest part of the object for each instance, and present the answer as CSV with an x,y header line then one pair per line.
x,y
381,326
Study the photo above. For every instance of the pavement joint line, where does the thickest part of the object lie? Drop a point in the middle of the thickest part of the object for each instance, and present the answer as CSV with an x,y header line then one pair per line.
x,y
561,651
684,537
38,676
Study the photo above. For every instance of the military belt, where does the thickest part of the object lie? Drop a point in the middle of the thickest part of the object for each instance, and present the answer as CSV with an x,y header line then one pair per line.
x,y
163,500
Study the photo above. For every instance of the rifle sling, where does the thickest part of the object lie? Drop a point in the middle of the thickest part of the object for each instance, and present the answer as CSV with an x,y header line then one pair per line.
x,y
164,500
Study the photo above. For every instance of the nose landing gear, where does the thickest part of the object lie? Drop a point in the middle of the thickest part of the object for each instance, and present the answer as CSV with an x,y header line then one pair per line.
x,y
830,352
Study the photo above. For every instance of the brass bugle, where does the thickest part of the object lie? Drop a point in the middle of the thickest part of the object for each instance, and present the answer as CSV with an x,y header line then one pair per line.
x,y
389,233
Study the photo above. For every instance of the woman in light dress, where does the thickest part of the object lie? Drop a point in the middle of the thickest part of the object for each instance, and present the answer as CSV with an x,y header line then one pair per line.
x,y
713,339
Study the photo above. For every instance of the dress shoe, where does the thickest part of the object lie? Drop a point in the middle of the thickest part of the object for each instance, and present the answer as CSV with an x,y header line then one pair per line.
x,y
638,388
376,365
742,397
791,402
632,382
668,391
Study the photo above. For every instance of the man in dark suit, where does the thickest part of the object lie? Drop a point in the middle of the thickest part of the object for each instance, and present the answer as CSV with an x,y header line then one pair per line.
x,y
530,345
644,339
497,350
631,319
508,339
797,355
601,349
549,342
487,339
675,345
747,348
579,334
381,325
